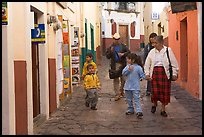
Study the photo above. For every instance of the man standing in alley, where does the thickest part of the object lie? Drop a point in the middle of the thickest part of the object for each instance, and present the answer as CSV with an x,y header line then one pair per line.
x,y
147,49
117,53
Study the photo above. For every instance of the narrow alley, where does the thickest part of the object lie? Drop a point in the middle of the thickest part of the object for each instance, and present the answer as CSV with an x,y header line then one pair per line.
x,y
74,118
44,56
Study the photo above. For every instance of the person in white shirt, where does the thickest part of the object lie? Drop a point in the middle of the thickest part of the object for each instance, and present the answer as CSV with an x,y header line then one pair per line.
x,y
157,71
147,49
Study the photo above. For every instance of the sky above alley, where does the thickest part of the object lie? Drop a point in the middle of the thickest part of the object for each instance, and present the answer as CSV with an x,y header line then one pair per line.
x,y
158,6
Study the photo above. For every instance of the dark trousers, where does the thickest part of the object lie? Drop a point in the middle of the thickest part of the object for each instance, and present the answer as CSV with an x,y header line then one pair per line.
x,y
92,97
148,87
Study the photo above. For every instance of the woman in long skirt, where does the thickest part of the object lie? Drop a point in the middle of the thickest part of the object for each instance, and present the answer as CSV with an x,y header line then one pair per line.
x,y
157,70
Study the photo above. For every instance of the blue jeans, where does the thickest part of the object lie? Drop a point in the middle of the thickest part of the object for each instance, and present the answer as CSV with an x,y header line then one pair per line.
x,y
130,95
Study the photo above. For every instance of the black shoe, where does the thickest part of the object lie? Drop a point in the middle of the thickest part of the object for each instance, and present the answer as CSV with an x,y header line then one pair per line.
x,y
163,113
153,110
93,108
87,104
148,94
139,114
129,113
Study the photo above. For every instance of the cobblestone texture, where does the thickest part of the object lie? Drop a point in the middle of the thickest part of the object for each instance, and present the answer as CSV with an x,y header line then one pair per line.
x,y
74,118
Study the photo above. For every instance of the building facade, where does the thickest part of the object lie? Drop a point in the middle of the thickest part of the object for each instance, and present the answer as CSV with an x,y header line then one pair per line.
x,y
90,31
185,40
156,22
182,32
124,18
37,53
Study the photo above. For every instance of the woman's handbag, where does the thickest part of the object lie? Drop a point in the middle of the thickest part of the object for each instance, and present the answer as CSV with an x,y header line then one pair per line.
x,y
170,66
114,73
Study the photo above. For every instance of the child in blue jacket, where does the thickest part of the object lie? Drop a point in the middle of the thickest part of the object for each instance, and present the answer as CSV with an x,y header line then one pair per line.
x,y
133,73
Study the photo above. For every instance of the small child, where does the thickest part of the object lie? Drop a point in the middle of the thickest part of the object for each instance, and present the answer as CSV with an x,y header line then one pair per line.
x,y
133,74
91,86
89,60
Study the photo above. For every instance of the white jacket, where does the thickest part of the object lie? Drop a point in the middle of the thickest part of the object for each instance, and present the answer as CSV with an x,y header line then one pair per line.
x,y
150,61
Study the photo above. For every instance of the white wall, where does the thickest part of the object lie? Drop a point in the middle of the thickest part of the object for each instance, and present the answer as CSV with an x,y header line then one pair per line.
x,y
43,61
29,19
120,19
8,94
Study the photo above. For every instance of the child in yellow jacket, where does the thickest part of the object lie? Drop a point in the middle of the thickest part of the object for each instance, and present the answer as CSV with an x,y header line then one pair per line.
x,y
89,60
91,86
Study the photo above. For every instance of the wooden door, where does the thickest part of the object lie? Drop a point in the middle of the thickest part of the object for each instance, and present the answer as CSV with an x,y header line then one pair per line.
x,y
184,50
124,37
35,76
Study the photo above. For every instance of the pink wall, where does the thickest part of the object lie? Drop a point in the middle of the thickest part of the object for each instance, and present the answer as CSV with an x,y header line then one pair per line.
x,y
107,42
98,55
134,45
192,83
141,38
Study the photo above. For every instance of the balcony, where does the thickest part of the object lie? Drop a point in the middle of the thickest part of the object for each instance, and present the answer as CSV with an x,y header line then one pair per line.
x,y
125,7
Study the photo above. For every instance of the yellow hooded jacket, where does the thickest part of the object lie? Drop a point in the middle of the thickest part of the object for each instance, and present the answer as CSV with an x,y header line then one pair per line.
x,y
91,81
85,71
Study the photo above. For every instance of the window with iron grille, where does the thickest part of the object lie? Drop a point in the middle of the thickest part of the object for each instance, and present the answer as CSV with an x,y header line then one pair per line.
x,y
122,6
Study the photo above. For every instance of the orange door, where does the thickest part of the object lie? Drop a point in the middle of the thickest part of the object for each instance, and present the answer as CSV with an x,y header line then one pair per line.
x,y
124,37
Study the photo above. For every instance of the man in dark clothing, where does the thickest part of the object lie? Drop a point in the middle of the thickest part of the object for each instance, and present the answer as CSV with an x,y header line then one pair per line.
x,y
117,53
147,49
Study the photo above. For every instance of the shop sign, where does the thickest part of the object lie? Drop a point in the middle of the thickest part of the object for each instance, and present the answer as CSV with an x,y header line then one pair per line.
x,y
155,16
38,34
4,13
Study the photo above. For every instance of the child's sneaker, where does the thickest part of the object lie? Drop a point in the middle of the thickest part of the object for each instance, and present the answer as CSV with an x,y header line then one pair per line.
x,y
139,114
86,104
129,113
93,108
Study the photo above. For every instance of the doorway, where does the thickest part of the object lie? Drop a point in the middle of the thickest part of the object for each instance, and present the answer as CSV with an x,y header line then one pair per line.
x,y
184,50
92,42
124,37
35,75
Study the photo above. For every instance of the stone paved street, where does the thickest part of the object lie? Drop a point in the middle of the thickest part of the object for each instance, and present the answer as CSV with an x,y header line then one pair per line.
x,y
74,118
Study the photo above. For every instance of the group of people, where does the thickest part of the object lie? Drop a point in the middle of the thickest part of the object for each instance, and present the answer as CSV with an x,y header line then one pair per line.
x,y
130,71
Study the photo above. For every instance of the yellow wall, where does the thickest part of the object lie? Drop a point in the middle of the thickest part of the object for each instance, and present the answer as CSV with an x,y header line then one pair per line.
x,y
91,13
147,21
164,22
141,5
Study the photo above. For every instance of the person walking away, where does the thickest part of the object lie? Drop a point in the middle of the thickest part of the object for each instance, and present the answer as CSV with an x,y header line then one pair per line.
x,y
92,86
117,53
147,49
133,73
157,70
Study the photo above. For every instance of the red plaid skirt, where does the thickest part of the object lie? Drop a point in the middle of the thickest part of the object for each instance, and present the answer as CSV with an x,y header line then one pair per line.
x,y
160,86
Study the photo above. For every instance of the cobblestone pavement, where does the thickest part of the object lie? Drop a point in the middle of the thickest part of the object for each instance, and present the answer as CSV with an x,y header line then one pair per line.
x,y
74,118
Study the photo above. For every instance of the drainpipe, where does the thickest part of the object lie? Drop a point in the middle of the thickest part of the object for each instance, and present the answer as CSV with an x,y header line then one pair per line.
x,y
199,6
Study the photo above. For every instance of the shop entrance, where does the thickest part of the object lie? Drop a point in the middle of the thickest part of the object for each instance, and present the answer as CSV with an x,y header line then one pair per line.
x,y
35,75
